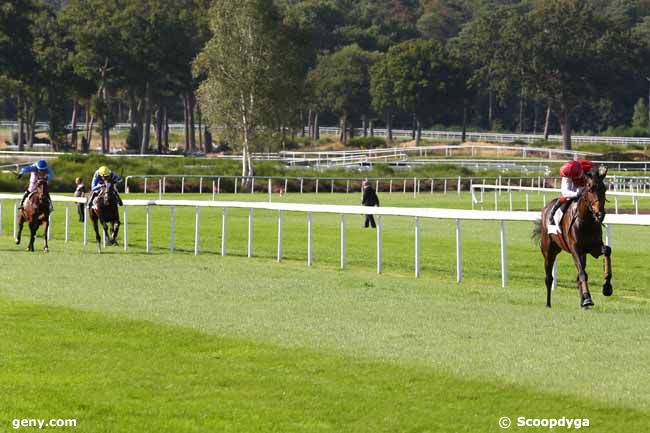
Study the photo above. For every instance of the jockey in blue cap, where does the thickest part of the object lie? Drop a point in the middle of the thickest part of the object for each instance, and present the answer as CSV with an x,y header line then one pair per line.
x,y
104,174
39,170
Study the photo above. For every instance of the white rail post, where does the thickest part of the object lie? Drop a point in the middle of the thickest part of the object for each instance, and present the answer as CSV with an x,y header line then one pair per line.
x,y
459,259
160,193
182,185
219,185
459,185
404,192
49,229
126,229
269,190
608,235
236,184
250,233
286,184
252,185
616,205
544,199
67,223
309,240
223,232
496,199
201,185
86,216
554,273
431,186
347,185
415,187
636,205
302,181
172,230
279,236
445,187
417,247
390,186
126,184
503,255
510,194
15,220
145,185
164,184
197,225
148,230
213,190
379,244
527,202
316,185
342,241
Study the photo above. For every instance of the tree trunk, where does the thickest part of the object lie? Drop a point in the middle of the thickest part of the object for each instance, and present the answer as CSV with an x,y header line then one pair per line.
x,y
565,126
73,123
418,132
344,129
165,129
372,128
521,111
414,126
535,115
21,128
146,129
389,126
190,111
316,127
490,97
310,124
364,125
200,120
546,122
186,124
159,130
463,136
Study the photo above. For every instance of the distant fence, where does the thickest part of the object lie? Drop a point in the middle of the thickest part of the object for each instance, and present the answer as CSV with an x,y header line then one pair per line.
x,y
309,209
634,194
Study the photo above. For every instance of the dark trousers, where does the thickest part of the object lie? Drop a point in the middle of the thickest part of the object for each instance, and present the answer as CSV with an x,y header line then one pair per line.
x,y
81,210
370,220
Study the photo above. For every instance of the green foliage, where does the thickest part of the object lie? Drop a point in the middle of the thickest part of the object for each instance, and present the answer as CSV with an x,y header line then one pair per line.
x,y
367,142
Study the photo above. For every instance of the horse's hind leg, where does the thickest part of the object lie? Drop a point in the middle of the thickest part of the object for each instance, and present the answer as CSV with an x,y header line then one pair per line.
x,y
115,231
33,226
582,280
549,262
607,268
46,233
21,223
98,239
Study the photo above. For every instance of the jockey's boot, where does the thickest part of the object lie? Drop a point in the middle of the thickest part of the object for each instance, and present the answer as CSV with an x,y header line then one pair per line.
x,y
91,199
22,202
553,225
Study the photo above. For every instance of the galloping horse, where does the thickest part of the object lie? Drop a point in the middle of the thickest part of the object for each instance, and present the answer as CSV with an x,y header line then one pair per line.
x,y
106,212
36,211
581,234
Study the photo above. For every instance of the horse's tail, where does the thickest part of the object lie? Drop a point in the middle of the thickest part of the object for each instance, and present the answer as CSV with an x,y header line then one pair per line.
x,y
537,230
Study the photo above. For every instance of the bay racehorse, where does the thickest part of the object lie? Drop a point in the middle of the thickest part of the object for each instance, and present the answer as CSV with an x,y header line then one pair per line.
x,y
580,234
105,212
35,211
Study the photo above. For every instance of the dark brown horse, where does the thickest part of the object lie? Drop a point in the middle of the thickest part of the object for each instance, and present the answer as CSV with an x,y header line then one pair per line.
x,y
581,234
105,211
35,211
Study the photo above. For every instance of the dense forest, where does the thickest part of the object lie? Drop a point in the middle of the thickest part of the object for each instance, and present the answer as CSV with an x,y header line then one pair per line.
x,y
248,67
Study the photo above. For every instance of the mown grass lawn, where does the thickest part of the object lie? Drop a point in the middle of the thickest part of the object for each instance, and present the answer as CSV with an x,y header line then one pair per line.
x,y
172,342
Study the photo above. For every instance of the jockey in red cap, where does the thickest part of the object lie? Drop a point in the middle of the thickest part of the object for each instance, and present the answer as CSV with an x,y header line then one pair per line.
x,y
573,180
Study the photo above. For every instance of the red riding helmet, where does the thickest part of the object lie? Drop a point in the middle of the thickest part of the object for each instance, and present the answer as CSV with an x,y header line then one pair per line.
x,y
575,169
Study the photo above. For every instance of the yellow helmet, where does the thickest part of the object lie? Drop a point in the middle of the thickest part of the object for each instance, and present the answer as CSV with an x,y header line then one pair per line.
x,y
104,171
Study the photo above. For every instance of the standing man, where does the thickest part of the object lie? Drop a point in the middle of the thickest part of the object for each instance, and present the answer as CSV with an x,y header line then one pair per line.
x,y
80,191
369,199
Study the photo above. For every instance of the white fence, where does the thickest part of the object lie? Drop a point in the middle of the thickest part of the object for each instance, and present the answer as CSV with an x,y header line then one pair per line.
x,y
416,213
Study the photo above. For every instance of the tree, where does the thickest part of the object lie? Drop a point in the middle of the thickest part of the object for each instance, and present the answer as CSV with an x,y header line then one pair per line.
x,y
247,68
566,54
640,117
341,82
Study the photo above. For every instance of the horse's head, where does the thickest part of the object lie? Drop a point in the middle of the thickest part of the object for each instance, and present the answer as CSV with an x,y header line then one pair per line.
x,y
595,190
107,193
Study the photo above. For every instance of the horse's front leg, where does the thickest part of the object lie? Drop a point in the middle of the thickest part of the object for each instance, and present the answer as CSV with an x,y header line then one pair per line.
x,y
107,233
115,231
580,261
33,227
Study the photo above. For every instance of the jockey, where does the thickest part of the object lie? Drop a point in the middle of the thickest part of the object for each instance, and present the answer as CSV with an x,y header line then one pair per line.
x,y
38,170
574,175
104,174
